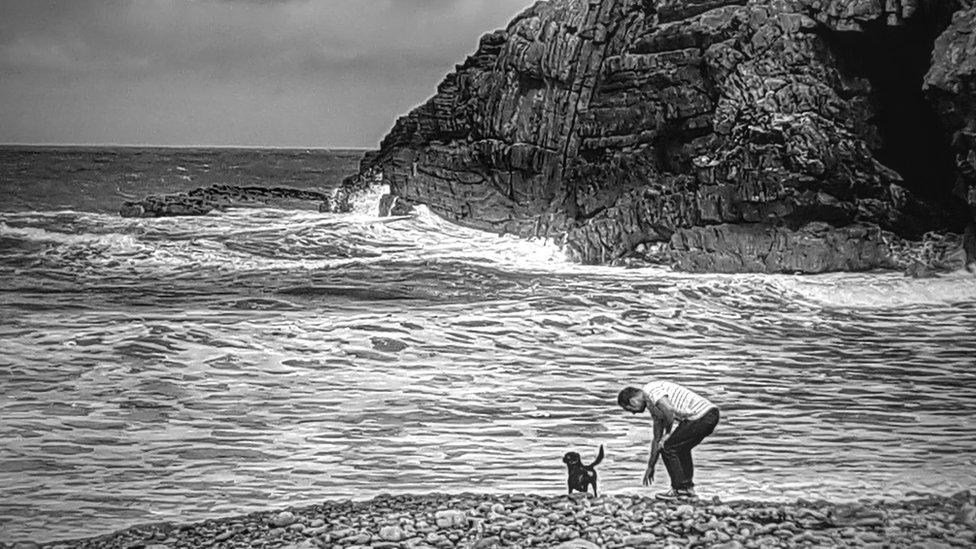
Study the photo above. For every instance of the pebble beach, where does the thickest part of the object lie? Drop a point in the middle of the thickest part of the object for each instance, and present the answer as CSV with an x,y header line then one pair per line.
x,y
486,521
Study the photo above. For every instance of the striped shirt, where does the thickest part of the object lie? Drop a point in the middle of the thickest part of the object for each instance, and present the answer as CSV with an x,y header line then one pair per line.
x,y
688,406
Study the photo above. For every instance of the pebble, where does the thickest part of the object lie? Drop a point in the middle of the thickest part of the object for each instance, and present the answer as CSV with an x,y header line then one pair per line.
x,y
577,544
564,534
450,519
302,545
967,515
868,537
361,539
391,533
283,519
723,511
488,543
640,540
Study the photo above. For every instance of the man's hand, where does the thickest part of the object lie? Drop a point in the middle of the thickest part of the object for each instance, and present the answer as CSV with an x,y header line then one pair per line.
x,y
648,476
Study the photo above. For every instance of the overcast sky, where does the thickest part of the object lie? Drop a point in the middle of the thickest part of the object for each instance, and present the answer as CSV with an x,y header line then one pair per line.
x,y
305,73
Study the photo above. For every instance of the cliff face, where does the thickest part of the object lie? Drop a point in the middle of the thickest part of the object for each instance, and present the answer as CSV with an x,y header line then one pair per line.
x,y
951,86
768,135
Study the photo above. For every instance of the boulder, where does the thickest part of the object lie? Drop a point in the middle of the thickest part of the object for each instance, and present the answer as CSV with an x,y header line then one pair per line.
x,y
613,124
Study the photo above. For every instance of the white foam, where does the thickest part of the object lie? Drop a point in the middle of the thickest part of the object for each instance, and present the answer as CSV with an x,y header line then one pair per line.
x,y
368,203
881,290
110,240
425,234
450,240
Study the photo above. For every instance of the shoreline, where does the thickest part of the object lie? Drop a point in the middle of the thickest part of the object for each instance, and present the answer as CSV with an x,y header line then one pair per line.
x,y
484,521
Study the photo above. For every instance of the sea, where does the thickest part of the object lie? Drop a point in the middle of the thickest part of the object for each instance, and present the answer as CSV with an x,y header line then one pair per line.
x,y
179,369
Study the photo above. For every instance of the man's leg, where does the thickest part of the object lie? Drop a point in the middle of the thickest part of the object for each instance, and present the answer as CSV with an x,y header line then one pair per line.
x,y
673,453
688,467
672,462
691,434
680,453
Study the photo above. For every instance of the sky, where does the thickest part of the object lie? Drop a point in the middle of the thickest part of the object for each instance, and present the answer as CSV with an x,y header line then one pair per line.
x,y
278,73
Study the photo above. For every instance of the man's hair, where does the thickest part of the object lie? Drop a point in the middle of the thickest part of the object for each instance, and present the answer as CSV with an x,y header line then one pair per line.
x,y
626,395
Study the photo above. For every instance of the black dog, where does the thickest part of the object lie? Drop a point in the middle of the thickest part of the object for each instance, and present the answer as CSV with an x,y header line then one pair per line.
x,y
581,476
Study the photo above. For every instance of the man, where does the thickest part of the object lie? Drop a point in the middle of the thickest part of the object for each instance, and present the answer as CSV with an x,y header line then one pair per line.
x,y
696,416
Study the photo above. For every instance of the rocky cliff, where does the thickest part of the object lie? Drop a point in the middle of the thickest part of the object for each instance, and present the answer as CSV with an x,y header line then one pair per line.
x,y
951,86
761,135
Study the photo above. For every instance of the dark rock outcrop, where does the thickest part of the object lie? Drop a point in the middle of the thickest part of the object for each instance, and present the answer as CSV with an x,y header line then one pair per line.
x,y
761,135
951,84
206,199
816,247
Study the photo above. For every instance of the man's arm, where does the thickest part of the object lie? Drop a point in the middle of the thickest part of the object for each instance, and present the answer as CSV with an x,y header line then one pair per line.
x,y
663,414
666,409
656,442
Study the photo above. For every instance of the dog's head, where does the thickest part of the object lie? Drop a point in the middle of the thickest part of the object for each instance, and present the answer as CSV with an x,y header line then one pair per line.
x,y
571,458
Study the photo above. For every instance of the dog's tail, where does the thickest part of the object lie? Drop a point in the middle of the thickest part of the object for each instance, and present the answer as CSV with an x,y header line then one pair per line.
x,y
599,457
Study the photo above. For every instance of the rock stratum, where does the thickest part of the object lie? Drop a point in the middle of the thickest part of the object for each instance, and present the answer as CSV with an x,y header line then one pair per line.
x,y
729,136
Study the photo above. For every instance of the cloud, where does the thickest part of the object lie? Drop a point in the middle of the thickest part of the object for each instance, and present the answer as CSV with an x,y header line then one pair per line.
x,y
222,34
90,53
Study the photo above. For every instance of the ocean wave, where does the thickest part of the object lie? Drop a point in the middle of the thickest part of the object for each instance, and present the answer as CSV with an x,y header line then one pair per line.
x,y
361,248
880,290
122,242
305,257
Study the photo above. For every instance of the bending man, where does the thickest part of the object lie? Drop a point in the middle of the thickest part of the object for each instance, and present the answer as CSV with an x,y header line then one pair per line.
x,y
669,403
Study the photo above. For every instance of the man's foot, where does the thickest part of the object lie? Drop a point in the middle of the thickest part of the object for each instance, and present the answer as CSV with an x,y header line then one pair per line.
x,y
671,495
677,495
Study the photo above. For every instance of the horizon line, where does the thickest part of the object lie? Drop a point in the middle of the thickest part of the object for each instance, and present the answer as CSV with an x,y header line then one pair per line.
x,y
152,146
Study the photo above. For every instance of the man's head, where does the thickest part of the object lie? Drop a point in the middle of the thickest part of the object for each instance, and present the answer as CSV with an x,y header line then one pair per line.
x,y
632,399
